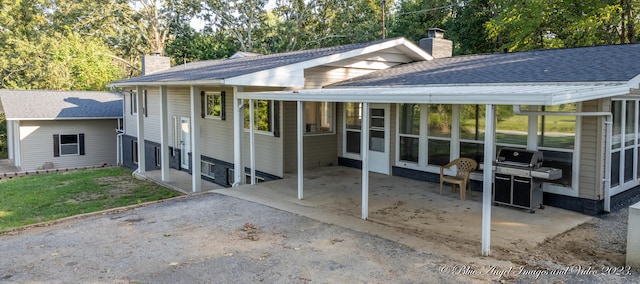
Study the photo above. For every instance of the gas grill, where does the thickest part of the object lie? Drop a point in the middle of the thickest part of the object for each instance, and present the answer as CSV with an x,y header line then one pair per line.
x,y
518,178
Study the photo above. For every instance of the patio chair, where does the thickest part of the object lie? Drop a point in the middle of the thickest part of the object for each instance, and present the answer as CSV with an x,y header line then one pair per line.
x,y
464,166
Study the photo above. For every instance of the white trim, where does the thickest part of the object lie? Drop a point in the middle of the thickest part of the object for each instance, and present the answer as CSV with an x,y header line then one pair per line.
x,y
364,150
300,148
65,118
487,189
196,183
503,94
206,106
140,120
164,135
252,142
238,137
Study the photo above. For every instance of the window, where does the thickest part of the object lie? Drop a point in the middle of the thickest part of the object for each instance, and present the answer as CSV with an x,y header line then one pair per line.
x,y
158,156
439,118
134,151
207,169
318,117
68,145
409,132
213,105
133,102
625,148
556,140
263,115
353,127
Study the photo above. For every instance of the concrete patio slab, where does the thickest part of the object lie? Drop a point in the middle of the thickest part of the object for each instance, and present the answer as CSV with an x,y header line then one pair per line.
x,y
407,211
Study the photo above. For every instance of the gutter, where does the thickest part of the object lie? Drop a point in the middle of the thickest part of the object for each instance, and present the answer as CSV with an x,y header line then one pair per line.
x,y
608,142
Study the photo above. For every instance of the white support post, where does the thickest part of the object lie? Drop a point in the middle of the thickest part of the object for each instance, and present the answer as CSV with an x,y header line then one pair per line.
x,y
164,135
364,153
10,138
142,159
252,141
487,178
196,182
300,149
238,133
17,157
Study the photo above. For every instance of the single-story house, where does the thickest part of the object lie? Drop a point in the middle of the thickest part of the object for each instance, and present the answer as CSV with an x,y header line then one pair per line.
x,y
264,116
61,129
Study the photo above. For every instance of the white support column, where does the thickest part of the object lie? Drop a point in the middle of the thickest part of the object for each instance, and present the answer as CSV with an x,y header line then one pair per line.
x,y
532,137
238,133
10,137
455,133
252,141
142,165
487,178
196,182
164,135
364,153
300,149
17,157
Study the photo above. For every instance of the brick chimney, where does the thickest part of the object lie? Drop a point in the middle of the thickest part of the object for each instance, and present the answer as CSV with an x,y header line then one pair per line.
x,y
153,63
436,45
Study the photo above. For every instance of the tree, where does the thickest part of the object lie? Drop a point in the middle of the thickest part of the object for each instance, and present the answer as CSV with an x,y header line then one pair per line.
x,y
414,17
241,18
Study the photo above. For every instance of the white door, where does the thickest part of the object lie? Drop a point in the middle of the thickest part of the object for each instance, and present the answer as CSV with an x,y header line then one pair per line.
x,y
379,138
185,142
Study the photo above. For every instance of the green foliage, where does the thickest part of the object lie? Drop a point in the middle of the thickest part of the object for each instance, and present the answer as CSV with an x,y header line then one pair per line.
x,y
47,197
414,17
4,151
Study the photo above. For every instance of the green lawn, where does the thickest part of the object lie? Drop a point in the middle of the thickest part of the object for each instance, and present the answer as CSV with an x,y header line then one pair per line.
x,y
47,197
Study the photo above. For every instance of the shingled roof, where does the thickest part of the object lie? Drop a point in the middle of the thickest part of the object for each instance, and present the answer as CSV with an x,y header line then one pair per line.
x,y
60,105
203,72
613,63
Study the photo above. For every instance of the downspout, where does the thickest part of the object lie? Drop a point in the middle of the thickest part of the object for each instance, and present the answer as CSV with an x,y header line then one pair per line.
x,y
608,141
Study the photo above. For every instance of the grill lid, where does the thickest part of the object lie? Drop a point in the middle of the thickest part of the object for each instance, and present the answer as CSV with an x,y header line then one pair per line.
x,y
519,158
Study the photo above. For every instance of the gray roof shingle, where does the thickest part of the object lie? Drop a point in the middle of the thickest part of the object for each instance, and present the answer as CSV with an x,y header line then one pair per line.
x,y
229,68
59,105
584,64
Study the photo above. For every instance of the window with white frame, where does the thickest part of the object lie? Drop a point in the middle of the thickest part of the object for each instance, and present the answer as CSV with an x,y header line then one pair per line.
x,y
214,105
439,121
318,117
625,148
556,140
134,151
263,115
133,102
409,132
353,127
68,144
207,169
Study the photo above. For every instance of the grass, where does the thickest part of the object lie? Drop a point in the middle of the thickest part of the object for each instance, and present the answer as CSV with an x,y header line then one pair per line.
x,y
47,197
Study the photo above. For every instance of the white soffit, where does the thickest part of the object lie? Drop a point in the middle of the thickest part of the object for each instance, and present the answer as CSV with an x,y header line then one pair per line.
x,y
509,94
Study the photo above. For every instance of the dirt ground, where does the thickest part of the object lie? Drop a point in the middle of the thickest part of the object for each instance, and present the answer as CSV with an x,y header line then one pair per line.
x,y
212,238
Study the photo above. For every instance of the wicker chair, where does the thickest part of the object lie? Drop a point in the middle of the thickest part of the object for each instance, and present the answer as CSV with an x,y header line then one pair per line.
x,y
464,166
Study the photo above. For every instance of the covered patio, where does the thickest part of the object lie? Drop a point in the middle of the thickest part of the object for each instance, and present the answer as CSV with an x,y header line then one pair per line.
x,y
404,210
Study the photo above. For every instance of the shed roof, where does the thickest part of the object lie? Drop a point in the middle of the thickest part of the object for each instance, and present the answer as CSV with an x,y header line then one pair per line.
x,y
269,70
608,63
60,105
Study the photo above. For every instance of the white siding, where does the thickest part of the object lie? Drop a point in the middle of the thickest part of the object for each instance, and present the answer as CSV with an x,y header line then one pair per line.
x,y
152,119
129,118
37,143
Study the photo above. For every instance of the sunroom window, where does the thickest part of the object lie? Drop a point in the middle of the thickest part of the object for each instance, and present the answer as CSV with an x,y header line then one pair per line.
x,y
409,132
439,119
318,117
556,140
353,127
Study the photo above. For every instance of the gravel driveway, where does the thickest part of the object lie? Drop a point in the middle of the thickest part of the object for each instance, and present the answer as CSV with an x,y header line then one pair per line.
x,y
211,238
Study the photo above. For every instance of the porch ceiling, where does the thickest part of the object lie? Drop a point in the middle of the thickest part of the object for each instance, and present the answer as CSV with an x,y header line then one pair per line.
x,y
498,94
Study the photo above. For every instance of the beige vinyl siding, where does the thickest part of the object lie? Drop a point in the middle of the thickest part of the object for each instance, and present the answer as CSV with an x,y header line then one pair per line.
x,y
319,150
592,151
178,105
217,135
37,143
269,149
321,76
152,119
130,120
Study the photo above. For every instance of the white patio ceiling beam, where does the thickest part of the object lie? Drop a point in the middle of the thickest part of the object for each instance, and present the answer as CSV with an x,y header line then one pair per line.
x,y
530,94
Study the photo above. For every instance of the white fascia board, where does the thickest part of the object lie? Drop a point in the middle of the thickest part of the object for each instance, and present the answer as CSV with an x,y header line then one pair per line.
x,y
634,83
64,118
286,76
215,82
536,94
